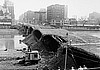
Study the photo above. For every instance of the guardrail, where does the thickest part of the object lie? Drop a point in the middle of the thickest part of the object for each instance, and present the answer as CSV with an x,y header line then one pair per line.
x,y
84,68
85,44
96,68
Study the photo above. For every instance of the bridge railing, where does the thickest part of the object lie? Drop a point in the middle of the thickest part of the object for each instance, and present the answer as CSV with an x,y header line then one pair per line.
x,y
85,68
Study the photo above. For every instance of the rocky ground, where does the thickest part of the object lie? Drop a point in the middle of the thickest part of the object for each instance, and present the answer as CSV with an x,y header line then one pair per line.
x,y
8,58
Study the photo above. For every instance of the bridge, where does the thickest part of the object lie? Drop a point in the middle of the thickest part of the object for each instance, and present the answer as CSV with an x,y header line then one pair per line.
x,y
80,44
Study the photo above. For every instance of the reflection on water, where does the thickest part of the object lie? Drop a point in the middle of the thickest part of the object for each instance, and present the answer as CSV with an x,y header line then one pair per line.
x,y
11,43
2,44
6,43
9,39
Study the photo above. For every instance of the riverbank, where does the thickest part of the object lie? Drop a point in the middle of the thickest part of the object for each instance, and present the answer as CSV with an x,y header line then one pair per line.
x,y
8,58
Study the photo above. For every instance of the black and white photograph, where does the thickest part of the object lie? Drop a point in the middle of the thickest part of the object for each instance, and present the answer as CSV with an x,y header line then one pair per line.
x,y
49,35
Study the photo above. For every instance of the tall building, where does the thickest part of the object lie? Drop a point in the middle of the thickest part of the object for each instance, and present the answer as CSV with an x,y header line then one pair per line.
x,y
27,17
10,8
94,18
34,17
94,15
7,12
56,12
21,18
40,16
1,12
66,12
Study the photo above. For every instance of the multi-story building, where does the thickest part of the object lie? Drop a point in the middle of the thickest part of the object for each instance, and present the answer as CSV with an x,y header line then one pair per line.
x,y
27,17
6,15
66,12
1,12
56,14
94,15
34,17
10,8
40,16
94,18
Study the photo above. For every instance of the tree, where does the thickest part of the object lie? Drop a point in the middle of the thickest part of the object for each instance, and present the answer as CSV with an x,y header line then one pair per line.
x,y
83,20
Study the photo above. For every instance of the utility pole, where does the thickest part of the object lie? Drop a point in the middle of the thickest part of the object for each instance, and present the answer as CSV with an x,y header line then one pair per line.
x,y
66,59
66,46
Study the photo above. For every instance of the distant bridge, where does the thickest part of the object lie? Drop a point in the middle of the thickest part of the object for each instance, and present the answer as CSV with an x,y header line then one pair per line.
x,y
80,44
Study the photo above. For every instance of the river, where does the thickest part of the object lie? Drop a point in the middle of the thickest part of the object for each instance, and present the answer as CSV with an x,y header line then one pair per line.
x,y
9,39
13,42
93,33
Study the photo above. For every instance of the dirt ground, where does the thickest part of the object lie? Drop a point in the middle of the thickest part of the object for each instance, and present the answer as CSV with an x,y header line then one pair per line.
x,y
8,61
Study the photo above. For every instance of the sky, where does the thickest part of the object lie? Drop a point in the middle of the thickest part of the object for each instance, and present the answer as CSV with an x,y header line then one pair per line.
x,y
76,8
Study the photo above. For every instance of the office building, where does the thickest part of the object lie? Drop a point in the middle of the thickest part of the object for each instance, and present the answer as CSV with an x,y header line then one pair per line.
x,y
56,12
40,16
94,18
9,8
27,17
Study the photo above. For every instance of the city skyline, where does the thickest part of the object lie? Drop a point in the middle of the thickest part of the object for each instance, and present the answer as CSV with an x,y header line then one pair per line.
x,y
76,8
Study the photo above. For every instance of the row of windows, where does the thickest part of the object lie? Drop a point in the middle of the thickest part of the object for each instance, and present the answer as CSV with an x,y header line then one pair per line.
x,y
6,36
60,11
56,7
5,27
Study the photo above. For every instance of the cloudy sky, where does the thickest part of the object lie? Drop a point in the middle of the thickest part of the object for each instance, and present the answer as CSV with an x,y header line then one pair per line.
x,y
75,7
